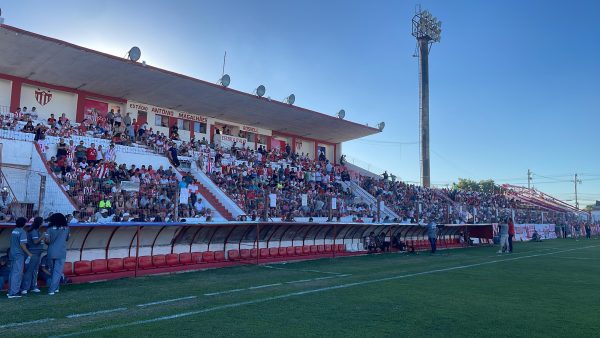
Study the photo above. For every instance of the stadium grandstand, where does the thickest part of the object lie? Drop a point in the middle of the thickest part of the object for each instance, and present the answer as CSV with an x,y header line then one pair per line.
x,y
148,202
214,175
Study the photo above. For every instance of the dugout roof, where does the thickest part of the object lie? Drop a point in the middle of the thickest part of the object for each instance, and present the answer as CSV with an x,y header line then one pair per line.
x,y
39,58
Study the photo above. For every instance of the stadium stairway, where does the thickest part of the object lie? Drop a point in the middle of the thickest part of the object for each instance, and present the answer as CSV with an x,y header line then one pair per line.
x,y
24,168
211,199
224,205
361,193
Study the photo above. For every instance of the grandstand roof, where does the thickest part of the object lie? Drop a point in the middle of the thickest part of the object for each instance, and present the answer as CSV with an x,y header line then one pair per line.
x,y
44,59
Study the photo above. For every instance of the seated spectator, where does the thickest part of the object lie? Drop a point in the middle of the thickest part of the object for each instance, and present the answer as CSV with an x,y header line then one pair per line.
x,y
372,242
34,114
51,120
4,269
535,237
28,127
103,217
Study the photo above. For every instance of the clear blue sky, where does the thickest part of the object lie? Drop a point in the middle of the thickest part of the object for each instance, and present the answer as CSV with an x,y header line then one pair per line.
x,y
515,85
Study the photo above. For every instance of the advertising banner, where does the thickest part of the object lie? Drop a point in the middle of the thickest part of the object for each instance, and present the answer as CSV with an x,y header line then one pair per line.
x,y
272,200
524,232
94,111
227,141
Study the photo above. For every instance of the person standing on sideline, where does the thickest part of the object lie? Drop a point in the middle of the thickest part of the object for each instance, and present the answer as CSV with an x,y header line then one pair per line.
x,y
18,250
56,238
503,238
432,234
36,247
511,234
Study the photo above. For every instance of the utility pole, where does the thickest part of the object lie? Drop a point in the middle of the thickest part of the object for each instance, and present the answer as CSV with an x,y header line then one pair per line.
x,y
576,181
528,179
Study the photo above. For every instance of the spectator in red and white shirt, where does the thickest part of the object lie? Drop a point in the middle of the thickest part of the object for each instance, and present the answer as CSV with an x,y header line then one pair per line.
x,y
18,114
110,155
63,119
91,154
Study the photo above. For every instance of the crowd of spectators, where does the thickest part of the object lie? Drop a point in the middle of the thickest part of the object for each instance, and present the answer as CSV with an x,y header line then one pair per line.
x,y
302,187
249,177
116,127
415,203
104,191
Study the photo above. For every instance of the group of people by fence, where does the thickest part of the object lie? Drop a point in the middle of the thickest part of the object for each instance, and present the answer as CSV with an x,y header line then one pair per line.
x,y
25,263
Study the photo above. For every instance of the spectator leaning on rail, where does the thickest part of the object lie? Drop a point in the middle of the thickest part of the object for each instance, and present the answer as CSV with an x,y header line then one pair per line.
x,y
56,238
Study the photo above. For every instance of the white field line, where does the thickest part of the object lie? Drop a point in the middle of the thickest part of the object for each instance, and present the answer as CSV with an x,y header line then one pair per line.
x,y
580,258
275,284
223,292
311,291
299,281
39,321
166,301
301,270
263,286
327,277
77,315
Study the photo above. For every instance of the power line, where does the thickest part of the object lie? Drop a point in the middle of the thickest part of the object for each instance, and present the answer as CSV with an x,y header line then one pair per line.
x,y
548,177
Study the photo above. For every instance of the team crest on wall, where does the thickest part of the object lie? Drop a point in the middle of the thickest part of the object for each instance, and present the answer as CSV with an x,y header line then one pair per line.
x,y
43,97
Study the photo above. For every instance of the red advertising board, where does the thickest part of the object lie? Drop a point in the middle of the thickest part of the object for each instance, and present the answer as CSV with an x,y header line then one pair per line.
x,y
95,111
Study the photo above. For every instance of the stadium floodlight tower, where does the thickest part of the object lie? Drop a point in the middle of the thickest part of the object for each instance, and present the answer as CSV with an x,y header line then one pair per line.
x,y
427,29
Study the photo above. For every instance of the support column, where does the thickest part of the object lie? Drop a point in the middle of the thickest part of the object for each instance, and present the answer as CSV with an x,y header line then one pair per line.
x,y
15,95
80,108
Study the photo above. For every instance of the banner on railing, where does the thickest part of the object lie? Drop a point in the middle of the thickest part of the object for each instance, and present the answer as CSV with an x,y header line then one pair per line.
x,y
524,232
130,186
184,195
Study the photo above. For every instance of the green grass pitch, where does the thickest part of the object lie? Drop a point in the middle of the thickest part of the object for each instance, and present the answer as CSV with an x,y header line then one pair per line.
x,y
548,289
